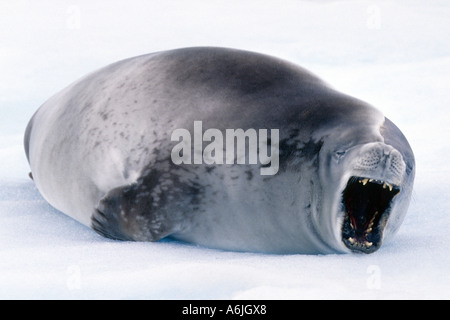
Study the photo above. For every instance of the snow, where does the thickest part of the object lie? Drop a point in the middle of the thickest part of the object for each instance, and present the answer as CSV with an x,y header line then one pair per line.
x,y
392,54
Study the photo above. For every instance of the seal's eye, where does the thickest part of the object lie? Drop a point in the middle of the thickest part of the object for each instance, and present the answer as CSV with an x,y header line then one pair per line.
x,y
339,154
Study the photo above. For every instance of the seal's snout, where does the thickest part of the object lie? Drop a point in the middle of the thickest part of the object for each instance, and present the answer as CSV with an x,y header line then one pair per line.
x,y
394,163
381,160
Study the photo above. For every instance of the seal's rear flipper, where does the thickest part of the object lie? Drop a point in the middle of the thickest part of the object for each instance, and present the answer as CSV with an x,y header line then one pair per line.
x,y
123,214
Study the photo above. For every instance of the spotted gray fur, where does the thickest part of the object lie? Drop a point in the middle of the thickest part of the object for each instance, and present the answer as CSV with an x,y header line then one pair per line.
x,y
99,151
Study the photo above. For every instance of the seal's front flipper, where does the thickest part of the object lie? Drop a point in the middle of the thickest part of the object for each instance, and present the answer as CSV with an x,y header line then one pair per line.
x,y
125,214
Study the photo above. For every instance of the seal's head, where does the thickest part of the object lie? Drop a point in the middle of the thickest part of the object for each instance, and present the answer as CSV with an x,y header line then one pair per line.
x,y
367,177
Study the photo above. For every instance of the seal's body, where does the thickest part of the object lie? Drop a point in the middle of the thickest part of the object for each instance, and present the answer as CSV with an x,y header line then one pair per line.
x,y
104,151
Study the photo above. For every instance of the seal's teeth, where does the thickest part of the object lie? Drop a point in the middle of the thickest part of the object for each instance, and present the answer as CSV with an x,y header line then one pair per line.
x,y
385,184
388,185
371,222
366,243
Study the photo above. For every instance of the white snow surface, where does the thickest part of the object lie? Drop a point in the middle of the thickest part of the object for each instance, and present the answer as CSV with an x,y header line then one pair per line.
x,y
392,54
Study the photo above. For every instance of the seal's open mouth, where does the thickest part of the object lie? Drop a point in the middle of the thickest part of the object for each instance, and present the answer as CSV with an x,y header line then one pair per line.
x,y
367,204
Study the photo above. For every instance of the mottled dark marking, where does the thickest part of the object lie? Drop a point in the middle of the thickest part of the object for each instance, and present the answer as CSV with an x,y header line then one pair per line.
x,y
209,169
133,213
291,149
249,174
